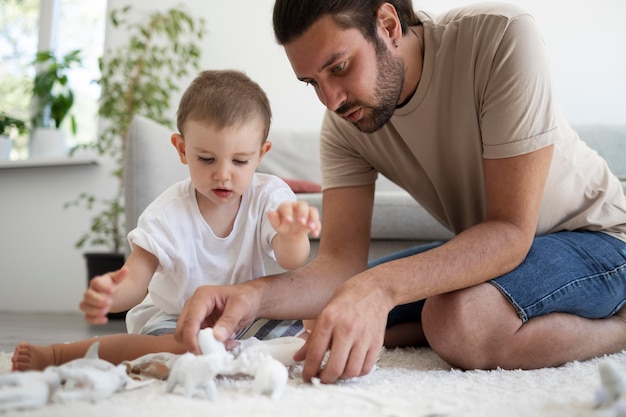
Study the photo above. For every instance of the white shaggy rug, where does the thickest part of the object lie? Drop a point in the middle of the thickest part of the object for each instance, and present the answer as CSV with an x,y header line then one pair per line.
x,y
407,382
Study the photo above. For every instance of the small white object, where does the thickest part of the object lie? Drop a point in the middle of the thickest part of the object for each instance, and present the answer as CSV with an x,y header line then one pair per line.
x,y
270,375
282,349
30,389
89,384
90,378
255,358
208,343
612,393
198,371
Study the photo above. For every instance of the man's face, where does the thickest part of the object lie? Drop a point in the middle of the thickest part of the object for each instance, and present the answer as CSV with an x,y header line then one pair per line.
x,y
358,80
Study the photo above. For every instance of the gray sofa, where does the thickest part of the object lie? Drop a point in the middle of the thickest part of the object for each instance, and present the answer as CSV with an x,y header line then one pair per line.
x,y
398,221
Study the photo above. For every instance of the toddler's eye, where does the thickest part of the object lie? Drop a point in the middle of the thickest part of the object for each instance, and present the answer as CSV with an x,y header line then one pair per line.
x,y
240,162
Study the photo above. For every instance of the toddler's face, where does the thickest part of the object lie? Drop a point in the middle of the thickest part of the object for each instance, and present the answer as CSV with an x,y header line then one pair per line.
x,y
222,162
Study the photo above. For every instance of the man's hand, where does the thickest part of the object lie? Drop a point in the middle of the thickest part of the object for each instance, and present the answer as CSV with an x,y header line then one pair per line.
x,y
98,298
352,327
225,308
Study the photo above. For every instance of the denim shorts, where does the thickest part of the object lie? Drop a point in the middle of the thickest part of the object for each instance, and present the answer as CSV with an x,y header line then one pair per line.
x,y
575,272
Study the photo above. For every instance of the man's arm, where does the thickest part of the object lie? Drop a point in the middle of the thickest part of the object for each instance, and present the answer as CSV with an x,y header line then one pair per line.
x,y
302,293
353,323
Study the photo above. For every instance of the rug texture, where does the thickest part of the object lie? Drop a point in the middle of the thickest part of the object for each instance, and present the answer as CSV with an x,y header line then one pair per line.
x,y
406,382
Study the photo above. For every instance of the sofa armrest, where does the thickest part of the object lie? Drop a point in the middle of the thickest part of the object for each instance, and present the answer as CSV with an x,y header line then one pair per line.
x,y
151,165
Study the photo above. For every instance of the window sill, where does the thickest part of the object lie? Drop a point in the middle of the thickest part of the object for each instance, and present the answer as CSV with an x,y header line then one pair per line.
x,y
49,162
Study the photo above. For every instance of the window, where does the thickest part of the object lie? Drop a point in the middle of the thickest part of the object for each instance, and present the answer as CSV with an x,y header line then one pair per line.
x,y
27,26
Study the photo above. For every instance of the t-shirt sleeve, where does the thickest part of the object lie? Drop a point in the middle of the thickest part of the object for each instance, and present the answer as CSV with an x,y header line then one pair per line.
x,y
341,162
518,112
153,236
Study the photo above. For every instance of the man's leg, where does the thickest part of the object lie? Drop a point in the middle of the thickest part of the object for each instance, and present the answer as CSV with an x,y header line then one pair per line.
x,y
560,305
478,328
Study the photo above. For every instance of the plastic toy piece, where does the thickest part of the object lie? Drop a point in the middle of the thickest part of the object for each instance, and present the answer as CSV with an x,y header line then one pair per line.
x,y
199,372
193,372
30,389
270,375
282,349
612,394
89,378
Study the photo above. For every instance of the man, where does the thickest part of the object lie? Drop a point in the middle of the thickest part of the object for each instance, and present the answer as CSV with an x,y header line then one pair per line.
x,y
457,109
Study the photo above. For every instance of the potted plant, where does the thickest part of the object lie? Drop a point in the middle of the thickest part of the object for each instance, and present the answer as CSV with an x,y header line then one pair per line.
x,y
10,127
137,77
52,100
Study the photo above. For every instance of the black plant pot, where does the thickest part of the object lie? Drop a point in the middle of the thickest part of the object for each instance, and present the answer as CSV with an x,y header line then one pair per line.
x,y
101,263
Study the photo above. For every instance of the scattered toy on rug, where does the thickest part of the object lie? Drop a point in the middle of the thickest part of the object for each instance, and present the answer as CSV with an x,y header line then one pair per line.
x,y
612,393
91,378
158,365
199,371
88,379
29,389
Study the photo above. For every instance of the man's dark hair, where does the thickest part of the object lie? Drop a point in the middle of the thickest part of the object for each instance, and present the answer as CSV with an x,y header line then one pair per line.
x,y
293,17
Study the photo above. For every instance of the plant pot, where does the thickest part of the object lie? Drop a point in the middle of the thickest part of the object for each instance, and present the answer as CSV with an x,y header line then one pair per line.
x,y
101,263
6,144
48,143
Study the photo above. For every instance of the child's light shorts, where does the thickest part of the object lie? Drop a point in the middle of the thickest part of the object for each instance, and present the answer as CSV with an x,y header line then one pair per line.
x,y
262,329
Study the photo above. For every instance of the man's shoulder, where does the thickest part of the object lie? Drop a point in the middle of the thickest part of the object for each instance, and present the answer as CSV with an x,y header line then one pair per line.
x,y
482,11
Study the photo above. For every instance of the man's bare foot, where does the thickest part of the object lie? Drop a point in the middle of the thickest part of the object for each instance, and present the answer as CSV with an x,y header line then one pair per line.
x,y
27,357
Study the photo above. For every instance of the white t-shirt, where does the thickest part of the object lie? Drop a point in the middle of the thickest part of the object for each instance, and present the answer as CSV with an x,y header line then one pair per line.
x,y
485,93
190,254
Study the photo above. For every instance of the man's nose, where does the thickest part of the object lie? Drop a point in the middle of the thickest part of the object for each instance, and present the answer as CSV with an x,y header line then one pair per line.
x,y
331,96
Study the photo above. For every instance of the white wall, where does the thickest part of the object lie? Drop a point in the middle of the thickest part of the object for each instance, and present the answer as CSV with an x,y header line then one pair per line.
x,y
41,271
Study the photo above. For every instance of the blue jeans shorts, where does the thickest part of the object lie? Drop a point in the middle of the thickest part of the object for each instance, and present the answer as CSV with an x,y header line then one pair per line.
x,y
575,272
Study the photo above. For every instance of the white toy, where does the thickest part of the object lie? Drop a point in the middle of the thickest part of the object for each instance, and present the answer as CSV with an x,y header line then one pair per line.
x,y
282,349
30,389
612,394
270,375
194,372
89,378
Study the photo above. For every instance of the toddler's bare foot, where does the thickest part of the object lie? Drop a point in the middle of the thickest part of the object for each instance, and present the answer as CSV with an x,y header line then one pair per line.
x,y
28,357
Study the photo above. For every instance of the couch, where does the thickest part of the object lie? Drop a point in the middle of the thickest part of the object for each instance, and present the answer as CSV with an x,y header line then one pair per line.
x,y
152,164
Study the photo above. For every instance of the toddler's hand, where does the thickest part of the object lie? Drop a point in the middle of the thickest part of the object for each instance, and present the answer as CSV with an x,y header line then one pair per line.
x,y
296,217
99,296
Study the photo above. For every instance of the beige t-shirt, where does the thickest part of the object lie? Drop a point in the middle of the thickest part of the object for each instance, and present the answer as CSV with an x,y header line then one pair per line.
x,y
485,93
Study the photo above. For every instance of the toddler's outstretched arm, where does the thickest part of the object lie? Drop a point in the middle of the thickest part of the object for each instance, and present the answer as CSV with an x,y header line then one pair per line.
x,y
294,221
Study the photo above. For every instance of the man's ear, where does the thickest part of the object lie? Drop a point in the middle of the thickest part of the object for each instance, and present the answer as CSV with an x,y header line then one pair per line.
x,y
179,143
389,22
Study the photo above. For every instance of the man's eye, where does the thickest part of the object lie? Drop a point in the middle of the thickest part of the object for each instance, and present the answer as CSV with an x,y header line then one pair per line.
x,y
338,68
240,162
312,83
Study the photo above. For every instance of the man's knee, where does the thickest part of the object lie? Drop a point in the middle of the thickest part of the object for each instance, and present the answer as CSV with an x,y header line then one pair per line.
x,y
470,328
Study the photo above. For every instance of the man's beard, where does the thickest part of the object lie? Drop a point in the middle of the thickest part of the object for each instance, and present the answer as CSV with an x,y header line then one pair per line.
x,y
389,82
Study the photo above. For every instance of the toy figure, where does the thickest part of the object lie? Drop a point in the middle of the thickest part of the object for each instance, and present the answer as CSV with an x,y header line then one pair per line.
x,y
29,389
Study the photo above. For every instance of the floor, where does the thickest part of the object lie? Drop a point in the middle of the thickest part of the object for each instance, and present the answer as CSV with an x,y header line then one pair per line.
x,y
44,329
